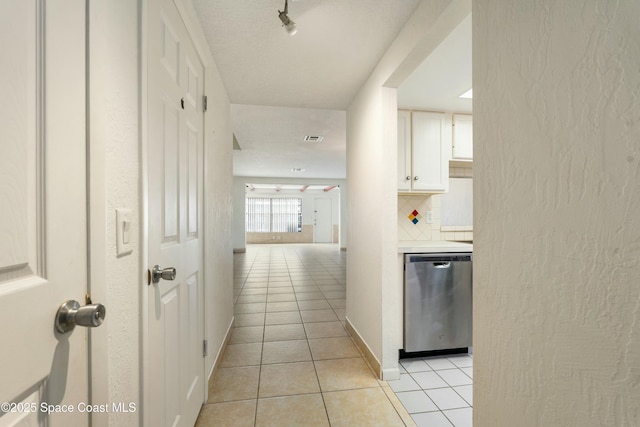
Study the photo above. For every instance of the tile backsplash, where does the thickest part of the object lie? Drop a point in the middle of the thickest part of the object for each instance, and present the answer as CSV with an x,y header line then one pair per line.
x,y
413,213
408,227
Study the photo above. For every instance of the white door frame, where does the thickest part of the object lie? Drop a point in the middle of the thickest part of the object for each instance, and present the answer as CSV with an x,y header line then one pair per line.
x,y
144,210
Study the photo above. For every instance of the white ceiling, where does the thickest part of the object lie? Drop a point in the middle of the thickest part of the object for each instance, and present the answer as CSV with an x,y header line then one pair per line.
x,y
337,45
443,76
272,142
285,87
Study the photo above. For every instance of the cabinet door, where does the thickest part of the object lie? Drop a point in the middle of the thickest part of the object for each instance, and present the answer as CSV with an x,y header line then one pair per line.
x,y
404,150
430,153
462,136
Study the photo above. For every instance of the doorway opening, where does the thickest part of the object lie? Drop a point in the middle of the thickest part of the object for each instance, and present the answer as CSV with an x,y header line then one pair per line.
x,y
291,213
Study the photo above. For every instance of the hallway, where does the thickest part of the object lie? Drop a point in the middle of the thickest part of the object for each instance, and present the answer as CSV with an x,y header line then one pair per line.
x,y
291,362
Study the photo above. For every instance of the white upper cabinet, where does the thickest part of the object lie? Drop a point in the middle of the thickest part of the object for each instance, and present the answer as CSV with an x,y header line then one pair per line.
x,y
424,152
462,137
430,151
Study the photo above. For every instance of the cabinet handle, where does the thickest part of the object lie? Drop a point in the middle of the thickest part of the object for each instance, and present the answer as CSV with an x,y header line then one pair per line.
x,y
415,178
408,178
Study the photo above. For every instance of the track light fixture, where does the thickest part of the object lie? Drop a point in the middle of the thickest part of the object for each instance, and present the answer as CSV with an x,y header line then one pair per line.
x,y
287,23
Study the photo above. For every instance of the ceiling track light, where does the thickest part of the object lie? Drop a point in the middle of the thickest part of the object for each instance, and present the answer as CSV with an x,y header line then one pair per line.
x,y
287,23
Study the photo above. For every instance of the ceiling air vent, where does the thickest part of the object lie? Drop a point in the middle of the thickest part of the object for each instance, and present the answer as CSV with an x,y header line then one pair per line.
x,y
310,138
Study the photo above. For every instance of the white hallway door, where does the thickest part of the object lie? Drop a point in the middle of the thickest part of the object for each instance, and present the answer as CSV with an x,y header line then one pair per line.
x,y
175,362
43,239
322,223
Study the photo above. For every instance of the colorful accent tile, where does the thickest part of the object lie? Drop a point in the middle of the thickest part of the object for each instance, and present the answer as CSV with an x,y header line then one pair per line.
x,y
414,216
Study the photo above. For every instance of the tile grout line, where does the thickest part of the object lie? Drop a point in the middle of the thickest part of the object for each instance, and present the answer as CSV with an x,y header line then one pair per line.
x,y
313,361
264,318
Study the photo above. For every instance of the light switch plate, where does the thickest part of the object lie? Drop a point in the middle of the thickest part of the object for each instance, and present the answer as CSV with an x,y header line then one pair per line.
x,y
429,217
124,235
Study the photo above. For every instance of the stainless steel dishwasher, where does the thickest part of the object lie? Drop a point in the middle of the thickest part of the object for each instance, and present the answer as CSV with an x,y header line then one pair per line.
x,y
437,301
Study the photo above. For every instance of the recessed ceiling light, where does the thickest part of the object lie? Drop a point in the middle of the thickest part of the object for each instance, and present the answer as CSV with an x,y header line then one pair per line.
x,y
311,138
298,169
468,94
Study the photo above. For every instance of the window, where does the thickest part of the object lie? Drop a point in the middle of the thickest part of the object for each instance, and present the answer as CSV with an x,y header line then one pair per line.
x,y
275,215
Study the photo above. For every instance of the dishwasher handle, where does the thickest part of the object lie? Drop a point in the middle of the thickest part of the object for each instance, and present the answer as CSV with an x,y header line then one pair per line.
x,y
438,257
442,264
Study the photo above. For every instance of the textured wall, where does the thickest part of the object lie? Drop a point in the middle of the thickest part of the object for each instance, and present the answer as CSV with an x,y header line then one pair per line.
x,y
115,177
557,195
218,246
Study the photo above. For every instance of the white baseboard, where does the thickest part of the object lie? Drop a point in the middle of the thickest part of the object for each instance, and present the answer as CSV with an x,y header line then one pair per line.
x,y
391,374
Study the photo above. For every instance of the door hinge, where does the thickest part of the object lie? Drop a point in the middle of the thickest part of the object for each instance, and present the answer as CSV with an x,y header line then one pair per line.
x,y
204,103
205,348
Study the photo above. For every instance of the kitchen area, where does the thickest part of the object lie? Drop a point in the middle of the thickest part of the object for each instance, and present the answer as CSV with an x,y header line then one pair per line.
x,y
435,231
433,297
434,291
435,199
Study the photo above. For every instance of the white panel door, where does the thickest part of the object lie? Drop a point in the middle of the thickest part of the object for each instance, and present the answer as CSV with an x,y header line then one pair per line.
x,y
322,223
43,239
176,380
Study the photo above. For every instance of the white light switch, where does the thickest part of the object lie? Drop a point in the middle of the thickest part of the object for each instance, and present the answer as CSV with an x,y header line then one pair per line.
x,y
123,232
429,217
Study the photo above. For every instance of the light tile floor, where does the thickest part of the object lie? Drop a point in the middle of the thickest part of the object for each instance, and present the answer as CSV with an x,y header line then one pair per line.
x,y
290,361
437,391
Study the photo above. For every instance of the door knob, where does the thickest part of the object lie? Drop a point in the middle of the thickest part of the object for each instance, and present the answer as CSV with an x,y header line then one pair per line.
x,y
71,314
158,273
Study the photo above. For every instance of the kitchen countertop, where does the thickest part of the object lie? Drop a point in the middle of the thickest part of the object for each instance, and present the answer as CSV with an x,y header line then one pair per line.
x,y
432,246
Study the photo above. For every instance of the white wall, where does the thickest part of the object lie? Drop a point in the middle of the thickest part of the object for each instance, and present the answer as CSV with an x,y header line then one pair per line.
x,y
374,294
218,247
367,171
115,183
557,194
238,230
239,183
